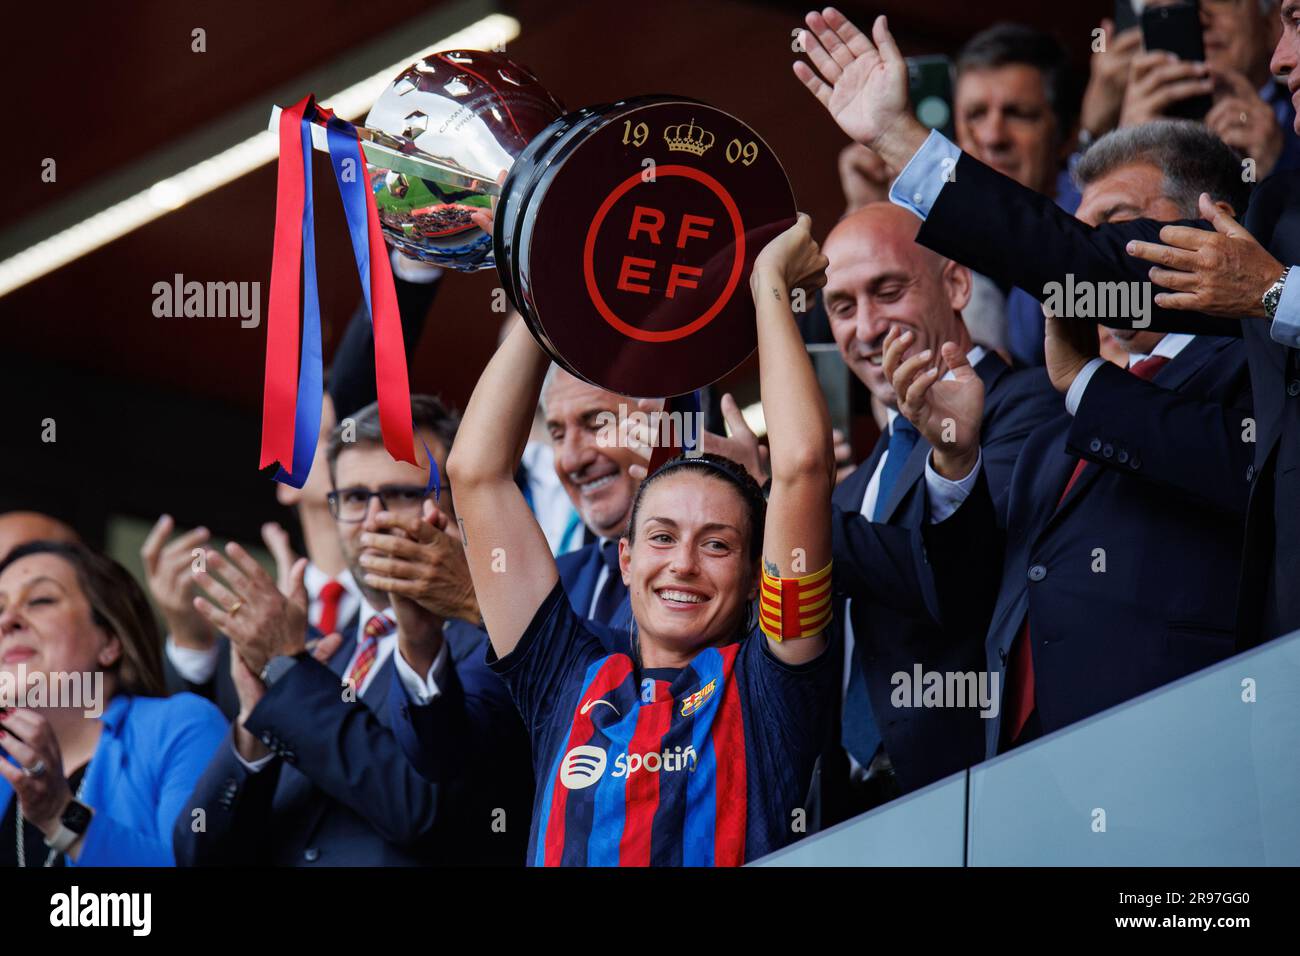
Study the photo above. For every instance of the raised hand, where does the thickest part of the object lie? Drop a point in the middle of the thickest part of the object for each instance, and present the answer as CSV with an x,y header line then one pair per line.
x,y
248,607
1245,122
862,84
167,566
741,446
946,413
793,258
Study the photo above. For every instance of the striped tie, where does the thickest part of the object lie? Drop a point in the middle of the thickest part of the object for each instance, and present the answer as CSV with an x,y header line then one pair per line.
x,y
376,627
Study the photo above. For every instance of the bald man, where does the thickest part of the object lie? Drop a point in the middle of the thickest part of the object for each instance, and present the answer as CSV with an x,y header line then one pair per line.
x,y
880,279
20,527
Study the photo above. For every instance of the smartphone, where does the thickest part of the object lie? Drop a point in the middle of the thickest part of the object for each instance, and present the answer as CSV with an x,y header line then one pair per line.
x,y
930,85
835,380
1177,28
1125,15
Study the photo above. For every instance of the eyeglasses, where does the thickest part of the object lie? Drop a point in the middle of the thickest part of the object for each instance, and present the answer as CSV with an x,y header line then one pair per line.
x,y
352,504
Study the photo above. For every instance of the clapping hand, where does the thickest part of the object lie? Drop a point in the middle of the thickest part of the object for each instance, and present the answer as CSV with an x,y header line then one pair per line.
x,y
947,413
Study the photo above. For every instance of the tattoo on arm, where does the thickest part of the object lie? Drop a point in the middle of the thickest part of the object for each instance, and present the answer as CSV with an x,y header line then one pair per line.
x,y
771,568
464,539
776,294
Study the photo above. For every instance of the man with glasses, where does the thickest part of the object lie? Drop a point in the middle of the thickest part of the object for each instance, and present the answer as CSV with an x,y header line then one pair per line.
x,y
316,773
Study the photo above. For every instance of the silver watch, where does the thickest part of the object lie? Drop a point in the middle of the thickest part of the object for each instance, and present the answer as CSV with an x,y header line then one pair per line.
x,y
1274,294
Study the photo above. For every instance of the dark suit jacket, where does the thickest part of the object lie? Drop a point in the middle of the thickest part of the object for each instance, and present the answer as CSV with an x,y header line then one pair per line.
x,y
339,790
991,223
473,737
898,619
579,571
1118,580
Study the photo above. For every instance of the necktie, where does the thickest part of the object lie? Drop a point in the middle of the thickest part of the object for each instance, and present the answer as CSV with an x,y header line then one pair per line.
x,y
903,437
1020,665
376,627
330,593
613,590
859,734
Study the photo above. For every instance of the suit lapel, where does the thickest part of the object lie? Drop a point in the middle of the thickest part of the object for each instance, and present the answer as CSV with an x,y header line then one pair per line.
x,y
911,473
850,492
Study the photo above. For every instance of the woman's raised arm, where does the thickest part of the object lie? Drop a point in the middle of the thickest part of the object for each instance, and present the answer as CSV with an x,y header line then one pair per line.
x,y
509,559
797,537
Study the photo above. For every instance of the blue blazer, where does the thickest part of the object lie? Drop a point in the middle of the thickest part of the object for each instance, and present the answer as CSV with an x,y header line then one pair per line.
x,y
151,752
579,572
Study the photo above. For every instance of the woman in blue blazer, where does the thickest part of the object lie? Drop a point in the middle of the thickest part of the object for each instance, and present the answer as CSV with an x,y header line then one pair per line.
x,y
100,762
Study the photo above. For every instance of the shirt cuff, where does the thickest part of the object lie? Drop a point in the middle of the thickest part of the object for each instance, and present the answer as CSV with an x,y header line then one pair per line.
x,y
252,766
917,186
1075,393
946,496
422,690
194,665
1286,321
413,270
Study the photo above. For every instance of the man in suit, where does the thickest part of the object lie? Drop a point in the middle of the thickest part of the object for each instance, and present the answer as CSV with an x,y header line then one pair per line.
x,y
1102,594
316,772
879,279
1212,276
197,659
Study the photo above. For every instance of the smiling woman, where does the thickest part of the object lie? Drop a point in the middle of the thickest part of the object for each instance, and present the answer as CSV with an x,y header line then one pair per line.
x,y
96,771
703,749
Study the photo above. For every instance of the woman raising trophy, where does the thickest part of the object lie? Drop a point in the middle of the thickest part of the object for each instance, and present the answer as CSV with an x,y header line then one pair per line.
x,y
693,742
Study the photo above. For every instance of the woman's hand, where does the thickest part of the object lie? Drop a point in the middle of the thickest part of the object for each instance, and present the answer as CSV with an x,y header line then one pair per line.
x,y
38,780
792,259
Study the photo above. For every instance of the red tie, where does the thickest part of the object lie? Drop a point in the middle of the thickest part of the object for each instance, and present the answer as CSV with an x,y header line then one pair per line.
x,y
376,628
330,593
1020,666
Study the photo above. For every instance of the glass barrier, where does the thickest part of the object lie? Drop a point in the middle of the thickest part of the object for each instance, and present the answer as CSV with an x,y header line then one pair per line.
x,y
1204,771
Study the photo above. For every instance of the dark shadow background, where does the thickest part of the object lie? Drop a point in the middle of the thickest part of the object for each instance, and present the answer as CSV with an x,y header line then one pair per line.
x,y
158,415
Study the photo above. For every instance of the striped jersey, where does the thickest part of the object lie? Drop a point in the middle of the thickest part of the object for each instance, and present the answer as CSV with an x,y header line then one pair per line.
x,y
708,765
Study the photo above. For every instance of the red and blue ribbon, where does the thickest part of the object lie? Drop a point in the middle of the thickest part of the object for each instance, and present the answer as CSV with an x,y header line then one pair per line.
x,y
292,395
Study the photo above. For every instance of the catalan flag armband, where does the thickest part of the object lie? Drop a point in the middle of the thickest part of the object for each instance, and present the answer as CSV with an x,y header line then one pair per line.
x,y
790,608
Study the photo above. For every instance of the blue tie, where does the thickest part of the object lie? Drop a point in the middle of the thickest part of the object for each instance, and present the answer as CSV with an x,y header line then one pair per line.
x,y
903,437
613,591
859,734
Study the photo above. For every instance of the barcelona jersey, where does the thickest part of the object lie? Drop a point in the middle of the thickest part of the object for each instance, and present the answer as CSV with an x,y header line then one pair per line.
x,y
708,765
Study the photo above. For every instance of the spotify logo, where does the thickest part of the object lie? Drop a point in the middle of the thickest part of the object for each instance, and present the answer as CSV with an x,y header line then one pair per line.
x,y
582,766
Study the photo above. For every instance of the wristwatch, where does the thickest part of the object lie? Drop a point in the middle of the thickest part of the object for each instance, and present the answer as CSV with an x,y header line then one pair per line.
x,y
280,665
72,825
1274,294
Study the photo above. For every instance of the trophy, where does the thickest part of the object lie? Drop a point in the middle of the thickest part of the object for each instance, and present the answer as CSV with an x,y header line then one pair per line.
x,y
623,233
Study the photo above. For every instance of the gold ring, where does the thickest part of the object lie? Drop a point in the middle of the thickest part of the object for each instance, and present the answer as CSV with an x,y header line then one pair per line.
x,y
234,608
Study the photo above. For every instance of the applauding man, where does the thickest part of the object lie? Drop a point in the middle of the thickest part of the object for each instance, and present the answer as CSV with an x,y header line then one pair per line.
x,y
317,772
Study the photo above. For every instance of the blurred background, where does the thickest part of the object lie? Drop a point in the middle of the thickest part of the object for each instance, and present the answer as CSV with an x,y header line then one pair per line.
x,y
156,415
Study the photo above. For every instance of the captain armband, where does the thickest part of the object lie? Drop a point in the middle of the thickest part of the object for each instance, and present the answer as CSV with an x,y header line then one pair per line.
x,y
791,608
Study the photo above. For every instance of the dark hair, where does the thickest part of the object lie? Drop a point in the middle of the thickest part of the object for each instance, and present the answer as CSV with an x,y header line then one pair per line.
x,y
722,469
427,412
1193,161
118,606
1007,44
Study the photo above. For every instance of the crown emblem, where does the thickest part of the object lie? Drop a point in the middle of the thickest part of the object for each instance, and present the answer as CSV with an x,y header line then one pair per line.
x,y
688,138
